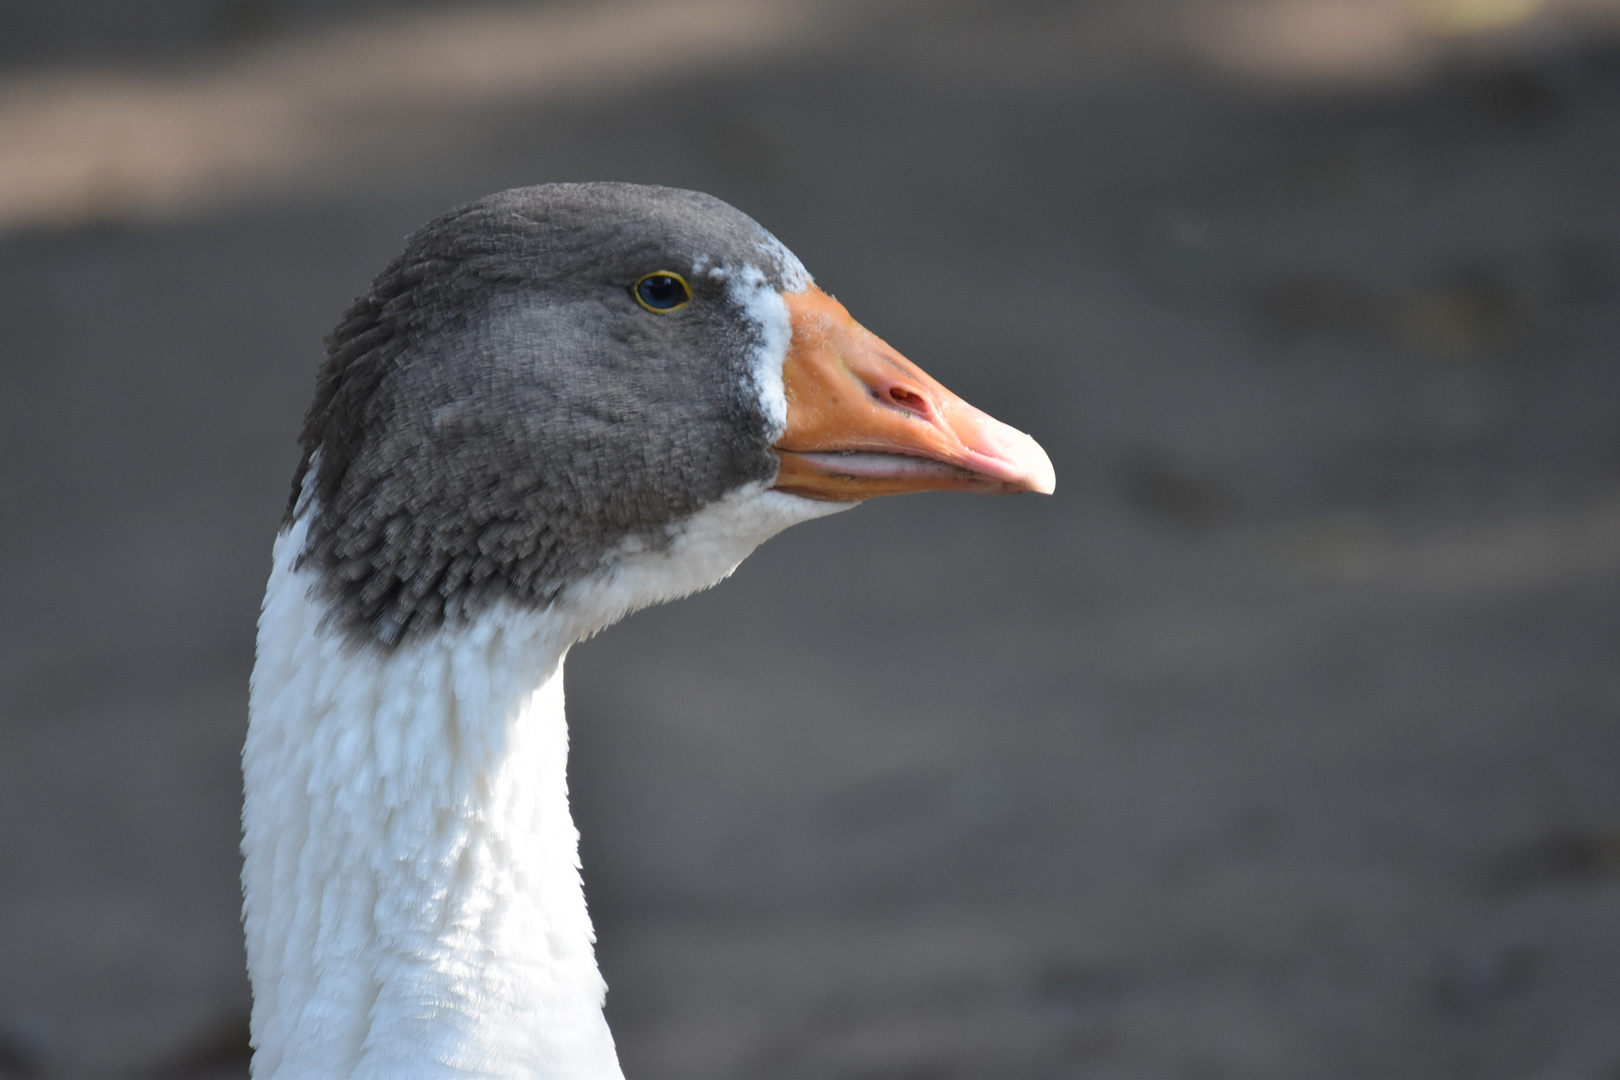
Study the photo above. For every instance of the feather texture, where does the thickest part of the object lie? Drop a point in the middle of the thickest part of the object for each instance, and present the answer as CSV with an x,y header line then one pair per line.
x,y
412,891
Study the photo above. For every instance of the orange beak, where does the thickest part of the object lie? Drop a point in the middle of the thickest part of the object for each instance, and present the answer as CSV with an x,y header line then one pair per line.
x,y
862,420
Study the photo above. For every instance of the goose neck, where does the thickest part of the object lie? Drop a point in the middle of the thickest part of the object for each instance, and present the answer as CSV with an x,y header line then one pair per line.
x,y
412,894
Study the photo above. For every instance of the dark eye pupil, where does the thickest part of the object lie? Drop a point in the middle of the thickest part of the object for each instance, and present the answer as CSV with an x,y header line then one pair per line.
x,y
661,291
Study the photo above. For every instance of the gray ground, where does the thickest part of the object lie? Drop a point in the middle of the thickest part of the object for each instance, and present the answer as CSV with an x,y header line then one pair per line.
x,y
1281,742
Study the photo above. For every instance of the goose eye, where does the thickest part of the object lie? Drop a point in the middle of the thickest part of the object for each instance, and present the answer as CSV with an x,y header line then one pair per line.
x,y
662,291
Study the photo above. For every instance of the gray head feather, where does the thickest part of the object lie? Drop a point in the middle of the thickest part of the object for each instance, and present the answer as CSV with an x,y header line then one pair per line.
x,y
499,412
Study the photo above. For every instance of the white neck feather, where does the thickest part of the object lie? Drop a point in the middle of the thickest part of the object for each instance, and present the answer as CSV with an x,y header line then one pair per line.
x,y
411,883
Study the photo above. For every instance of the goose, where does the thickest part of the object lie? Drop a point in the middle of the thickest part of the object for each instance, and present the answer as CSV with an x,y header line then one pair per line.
x,y
558,405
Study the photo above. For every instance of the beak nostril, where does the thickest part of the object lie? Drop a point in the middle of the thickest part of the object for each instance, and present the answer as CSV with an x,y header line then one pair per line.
x,y
909,400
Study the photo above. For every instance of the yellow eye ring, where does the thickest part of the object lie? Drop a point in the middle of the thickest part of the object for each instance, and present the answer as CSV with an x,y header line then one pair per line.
x,y
662,292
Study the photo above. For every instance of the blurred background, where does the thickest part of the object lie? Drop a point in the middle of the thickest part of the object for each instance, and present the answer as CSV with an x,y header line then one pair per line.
x,y
1281,742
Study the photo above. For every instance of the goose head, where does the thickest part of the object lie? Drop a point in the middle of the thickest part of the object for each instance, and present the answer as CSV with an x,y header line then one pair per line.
x,y
552,380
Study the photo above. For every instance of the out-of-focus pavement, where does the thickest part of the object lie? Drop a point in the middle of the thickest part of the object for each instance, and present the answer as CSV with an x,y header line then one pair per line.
x,y
1283,741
